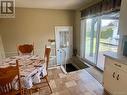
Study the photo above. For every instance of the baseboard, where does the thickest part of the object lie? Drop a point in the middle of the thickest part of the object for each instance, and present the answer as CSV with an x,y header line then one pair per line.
x,y
54,67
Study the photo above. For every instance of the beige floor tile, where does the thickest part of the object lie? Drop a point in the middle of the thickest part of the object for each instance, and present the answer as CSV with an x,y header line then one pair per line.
x,y
37,93
52,84
55,93
62,75
76,83
70,84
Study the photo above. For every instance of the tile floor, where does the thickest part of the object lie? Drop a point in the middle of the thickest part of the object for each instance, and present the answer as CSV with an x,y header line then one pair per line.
x,y
75,83
98,75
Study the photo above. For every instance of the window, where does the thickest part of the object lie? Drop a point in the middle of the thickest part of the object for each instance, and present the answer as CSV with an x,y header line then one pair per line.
x,y
101,36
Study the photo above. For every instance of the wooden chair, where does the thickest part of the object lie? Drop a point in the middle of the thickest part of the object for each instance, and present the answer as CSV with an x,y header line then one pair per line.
x,y
46,57
25,49
7,76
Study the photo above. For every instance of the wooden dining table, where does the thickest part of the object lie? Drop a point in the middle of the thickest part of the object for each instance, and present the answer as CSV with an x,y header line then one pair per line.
x,y
31,68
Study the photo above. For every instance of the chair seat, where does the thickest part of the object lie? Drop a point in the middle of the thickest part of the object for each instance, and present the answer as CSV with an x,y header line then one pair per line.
x,y
44,73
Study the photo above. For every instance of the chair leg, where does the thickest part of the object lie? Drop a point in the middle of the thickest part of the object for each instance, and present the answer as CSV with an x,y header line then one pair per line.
x,y
22,92
30,91
48,83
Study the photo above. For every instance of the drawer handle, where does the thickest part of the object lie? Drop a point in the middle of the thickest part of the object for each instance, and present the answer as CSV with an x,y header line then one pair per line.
x,y
118,65
118,77
113,75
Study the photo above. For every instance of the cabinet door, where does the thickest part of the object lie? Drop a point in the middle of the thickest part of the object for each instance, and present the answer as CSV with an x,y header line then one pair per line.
x,y
121,81
110,74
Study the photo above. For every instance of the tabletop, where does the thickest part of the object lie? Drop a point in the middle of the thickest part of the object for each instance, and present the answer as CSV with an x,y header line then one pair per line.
x,y
31,68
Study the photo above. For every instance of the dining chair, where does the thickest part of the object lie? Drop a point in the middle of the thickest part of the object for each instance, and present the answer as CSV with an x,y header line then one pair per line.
x,y
10,77
45,68
47,56
25,49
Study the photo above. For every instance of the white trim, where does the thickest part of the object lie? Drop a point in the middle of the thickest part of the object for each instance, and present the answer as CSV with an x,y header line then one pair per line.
x,y
63,69
82,38
58,49
55,67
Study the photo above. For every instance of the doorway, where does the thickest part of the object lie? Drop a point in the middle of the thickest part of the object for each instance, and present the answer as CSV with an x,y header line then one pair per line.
x,y
108,39
64,44
101,36
91,40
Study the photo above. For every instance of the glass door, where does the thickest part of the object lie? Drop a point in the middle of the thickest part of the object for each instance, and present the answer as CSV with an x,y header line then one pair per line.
x,y
108,40
91,40
64,45
101,36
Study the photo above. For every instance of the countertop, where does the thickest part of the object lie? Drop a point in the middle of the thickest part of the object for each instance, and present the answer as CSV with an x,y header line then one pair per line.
x,y
116,56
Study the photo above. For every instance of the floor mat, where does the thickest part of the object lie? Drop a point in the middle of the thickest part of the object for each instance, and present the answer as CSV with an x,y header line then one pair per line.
x,y
70,67
79,63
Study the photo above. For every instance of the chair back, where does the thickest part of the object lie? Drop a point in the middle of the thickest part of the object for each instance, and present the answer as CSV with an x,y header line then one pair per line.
x,y
25,49
47,55
7,76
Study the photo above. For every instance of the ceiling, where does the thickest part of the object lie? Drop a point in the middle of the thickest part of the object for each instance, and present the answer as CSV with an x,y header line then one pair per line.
x,y
53,4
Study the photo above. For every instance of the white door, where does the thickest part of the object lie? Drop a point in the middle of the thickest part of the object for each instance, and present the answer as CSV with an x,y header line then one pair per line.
x,y
64,43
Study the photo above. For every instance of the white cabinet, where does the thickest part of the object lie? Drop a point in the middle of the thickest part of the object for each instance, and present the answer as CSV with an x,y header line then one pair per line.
x,y
109,79
121,83
115,77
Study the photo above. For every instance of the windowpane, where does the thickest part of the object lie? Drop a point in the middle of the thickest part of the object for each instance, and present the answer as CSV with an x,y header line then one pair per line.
x,y
101,36
109,39
90,42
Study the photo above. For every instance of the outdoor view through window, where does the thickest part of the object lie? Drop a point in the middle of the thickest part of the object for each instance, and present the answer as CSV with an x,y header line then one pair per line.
x,y
101,36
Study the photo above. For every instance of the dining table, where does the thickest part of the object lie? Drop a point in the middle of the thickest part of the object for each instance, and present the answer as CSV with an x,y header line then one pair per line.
x,y
31,69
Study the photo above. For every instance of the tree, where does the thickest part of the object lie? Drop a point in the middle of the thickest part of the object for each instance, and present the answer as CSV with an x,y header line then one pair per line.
x,y
105,34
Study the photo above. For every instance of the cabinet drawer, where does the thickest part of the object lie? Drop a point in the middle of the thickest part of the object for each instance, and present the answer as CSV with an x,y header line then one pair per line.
x,y
116,64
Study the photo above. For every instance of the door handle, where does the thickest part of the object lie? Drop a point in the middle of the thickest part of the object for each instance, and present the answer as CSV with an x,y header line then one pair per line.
x,y
113,75
118,77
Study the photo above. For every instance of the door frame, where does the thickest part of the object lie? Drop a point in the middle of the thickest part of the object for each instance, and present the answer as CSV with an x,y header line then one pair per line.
x,y
97,42
99,18
61,26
